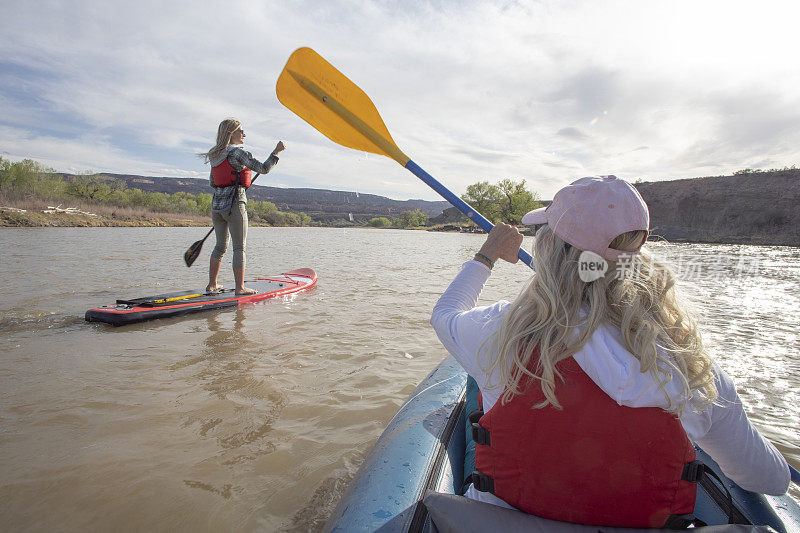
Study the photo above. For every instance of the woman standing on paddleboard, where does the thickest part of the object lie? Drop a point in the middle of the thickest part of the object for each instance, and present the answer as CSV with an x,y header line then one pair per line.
x,y
594,381
231,175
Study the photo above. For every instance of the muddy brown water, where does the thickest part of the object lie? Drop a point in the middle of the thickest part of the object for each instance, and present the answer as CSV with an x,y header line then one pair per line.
x,y
257,418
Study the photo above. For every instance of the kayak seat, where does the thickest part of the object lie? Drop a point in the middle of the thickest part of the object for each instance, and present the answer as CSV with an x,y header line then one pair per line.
x,y
453,513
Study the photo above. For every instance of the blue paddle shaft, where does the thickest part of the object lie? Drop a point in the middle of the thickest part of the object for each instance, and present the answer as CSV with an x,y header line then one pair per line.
x,y
461,205
795,475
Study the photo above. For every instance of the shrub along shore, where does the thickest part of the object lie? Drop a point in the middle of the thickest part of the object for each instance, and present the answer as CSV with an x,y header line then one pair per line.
x,y
37,214
33,195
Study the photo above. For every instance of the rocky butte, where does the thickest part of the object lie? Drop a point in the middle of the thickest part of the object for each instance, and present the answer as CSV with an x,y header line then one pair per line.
x,y
746,208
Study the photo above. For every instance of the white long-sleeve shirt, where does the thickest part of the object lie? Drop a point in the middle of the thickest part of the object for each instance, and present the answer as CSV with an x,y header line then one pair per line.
x,y
722,430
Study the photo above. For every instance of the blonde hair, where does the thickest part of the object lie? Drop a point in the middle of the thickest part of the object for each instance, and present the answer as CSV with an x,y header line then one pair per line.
x,y
558,313
224,132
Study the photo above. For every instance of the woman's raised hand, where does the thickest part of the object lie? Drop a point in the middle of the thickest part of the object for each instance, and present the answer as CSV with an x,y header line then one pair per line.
x,y
279,148
503,242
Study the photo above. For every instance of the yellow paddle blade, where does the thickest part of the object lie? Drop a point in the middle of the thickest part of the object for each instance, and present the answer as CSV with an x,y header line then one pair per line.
x,y
322,96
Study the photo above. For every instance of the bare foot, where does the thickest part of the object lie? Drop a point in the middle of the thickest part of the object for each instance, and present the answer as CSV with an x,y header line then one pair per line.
x,y
213,289
244,291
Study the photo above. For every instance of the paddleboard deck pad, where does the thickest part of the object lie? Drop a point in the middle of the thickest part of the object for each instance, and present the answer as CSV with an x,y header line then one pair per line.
x,y
185,302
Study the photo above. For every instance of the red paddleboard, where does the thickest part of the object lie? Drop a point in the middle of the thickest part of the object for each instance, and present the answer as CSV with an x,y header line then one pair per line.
x,y
185,302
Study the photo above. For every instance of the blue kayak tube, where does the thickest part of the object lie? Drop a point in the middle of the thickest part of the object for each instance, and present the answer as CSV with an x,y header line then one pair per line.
x,y
422,455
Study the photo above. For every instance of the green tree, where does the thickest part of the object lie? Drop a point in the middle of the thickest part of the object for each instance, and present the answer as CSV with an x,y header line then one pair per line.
x,y
27,178
24,176
485,198
379,222
505,202
294,219
259,211
204,204
516,201
413,218
5,165
92,187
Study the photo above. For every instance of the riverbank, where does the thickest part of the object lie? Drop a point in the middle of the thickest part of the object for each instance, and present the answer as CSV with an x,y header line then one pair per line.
x,y
73,217
32,214
83,217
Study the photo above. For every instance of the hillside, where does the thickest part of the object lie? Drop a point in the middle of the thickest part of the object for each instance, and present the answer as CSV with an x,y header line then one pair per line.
x,y
746,208
320,204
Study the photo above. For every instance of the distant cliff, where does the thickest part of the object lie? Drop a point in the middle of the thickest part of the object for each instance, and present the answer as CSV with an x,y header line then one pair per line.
x,y
746,208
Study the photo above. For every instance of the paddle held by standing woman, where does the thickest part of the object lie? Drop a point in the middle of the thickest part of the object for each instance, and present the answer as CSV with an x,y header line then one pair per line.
x,y
231,174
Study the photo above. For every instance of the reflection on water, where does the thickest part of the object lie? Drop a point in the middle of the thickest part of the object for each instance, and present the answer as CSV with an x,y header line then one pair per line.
x,y
748,306
257,418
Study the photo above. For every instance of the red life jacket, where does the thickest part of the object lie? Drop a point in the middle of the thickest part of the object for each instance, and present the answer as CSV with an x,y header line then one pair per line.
x,y
224,174
594,462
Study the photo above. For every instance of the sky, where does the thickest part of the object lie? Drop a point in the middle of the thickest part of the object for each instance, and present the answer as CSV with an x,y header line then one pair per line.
x,y
546,91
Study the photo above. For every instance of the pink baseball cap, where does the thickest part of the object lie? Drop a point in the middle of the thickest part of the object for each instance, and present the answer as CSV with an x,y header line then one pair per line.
x,y
591,212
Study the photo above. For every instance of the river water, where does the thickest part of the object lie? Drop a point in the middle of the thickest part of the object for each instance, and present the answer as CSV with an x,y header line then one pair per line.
x,y
257,418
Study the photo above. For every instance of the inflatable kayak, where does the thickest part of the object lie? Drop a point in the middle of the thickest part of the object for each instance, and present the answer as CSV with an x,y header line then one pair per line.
x,y
185,302
411,479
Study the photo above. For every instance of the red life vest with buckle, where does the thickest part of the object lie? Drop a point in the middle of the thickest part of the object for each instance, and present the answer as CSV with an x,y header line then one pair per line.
x,y
594,462
224,174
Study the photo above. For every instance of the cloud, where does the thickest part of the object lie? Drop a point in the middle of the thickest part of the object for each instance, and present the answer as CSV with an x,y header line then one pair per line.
x,y
572,133
86,153
483,155
472,90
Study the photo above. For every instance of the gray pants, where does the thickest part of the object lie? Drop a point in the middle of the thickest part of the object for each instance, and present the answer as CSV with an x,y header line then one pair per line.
x,y
234,222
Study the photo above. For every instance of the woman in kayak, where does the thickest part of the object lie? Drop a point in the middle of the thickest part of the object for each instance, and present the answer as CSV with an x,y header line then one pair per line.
x,y
594,381
231,175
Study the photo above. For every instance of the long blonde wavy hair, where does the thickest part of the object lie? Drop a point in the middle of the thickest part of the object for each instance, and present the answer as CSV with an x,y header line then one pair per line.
x,y
645,306
224,132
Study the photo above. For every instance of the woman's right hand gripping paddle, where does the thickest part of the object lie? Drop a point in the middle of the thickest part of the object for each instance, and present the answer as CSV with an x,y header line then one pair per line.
x,y
503,242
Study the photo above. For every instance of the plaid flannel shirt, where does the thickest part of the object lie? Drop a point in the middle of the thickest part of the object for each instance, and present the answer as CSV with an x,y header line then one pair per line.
x,y
223,197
